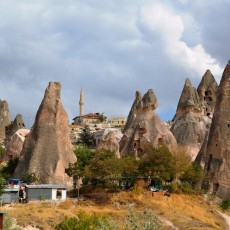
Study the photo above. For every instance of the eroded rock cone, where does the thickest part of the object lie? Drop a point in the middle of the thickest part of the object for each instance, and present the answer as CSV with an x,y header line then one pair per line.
x,y
110,141
217,167
47,150
207,91
4,118
144,127
192,119
15,125
14,144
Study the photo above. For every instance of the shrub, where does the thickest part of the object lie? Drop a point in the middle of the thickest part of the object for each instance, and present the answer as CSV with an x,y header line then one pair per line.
x,y
183,187
85,222
144,220
8,223
225,204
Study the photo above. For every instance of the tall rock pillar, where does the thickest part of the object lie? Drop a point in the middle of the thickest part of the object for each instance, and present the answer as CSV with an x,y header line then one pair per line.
x,y
47,150
4,118
218,147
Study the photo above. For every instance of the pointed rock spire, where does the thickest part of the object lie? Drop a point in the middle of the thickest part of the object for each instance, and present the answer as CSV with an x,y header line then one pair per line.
x,y
187,83
144,126
190,124
17,124
189,100
4,118
207,91
47,150
218,147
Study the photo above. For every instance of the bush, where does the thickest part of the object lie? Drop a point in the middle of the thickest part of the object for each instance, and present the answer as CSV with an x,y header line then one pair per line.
x,y
144,220
85,222
225,204
183,187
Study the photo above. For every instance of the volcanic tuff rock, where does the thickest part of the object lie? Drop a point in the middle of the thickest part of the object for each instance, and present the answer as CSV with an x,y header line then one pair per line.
x,y
193,117
218,146
14,144
47,150
189,101
110,141
207,91
4,118
144,126
17,124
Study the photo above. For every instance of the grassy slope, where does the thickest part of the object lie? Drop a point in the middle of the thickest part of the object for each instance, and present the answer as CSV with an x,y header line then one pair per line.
x,y
186,212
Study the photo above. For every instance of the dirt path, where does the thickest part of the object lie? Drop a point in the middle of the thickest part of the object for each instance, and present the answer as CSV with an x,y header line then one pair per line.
x,y
168,223
226,217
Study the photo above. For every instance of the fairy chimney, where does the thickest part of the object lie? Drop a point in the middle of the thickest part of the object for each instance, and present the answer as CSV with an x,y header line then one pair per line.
x,y
144,127
217,167
190,125
47,150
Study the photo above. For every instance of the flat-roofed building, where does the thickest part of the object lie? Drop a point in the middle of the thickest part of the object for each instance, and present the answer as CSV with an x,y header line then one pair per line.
x,y
117,121
90,118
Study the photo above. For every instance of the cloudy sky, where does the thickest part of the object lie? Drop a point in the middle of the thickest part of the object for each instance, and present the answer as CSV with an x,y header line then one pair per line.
x,y
111,48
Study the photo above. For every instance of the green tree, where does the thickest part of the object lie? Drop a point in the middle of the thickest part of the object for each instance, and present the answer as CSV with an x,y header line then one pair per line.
x,y
2,185
86,138
105,165
130,166
84,155
29,178
181,160
77,169
8,170
158,162
193,173
2,151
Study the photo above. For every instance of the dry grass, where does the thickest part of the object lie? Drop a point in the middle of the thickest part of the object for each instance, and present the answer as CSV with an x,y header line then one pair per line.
x,y
186,212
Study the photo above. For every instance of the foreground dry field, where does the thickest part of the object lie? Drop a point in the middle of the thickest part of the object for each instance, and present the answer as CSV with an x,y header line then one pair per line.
x,y
176,211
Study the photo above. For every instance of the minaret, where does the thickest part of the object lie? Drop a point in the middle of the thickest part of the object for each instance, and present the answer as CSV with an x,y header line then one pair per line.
x,y
81,103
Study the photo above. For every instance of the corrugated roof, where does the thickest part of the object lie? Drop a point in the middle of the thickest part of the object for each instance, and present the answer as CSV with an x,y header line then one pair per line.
x,y
10,189
46,186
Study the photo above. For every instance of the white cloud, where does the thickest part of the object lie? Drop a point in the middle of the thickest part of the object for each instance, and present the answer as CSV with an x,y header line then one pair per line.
x,y
169,26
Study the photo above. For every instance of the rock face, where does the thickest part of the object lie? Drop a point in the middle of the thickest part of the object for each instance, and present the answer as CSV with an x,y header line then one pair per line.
x,y
4,118
144,126
207,91
47,150
17,124
14,144
217,165
110,141
194,114
189,101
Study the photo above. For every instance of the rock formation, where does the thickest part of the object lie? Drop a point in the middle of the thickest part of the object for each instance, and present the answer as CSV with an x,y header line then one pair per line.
x,y
207,91
47,150
14,144
189,101
193,117
4,118
17,124
144,127
218,146
110,140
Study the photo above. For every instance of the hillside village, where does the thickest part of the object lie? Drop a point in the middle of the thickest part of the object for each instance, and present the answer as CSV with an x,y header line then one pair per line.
x,y
200,126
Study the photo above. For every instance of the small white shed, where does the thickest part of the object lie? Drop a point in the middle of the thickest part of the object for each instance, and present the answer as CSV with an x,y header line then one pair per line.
x,y
46,192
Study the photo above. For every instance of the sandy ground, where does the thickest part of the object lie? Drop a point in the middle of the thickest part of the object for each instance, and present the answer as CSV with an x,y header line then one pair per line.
x,y
226,217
